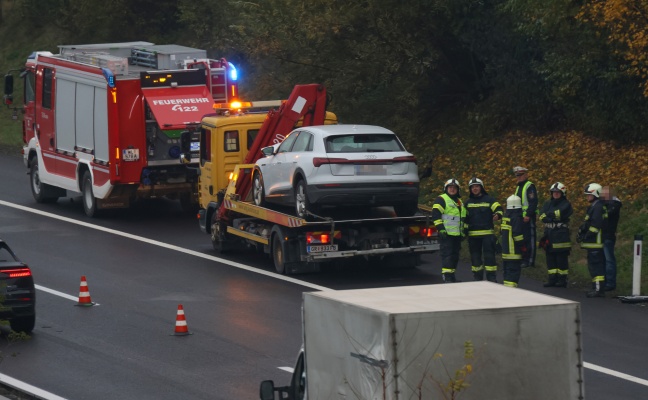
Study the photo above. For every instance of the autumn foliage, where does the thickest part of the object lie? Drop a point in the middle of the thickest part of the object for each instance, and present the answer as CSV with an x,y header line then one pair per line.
x,y
623,24
568,157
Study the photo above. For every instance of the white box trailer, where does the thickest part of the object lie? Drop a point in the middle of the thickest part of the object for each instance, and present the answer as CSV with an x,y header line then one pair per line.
x,y
408,343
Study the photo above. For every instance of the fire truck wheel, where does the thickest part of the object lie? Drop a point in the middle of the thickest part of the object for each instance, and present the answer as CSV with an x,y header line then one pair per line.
x,y
278,254
258,190
89,201
42,192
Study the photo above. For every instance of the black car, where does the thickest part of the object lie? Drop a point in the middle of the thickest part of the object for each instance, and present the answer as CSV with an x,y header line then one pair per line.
x,y
17,291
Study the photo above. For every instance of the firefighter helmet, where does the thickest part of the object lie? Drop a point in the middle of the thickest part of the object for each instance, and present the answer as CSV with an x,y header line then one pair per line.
x,y
559,187
476,181
594,189
513,202
451,182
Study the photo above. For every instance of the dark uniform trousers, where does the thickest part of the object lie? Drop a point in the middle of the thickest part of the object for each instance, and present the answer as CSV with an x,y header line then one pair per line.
x,y
485,245
450,247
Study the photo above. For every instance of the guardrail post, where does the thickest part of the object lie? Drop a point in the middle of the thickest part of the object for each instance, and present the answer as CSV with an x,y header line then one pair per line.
x,y
636,267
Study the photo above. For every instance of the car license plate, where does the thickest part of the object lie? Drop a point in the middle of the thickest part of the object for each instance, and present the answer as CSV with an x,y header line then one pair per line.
x,y
195,146
322,248
371,169
130,154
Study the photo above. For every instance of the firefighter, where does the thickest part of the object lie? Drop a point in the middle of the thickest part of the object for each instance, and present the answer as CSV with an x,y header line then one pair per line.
x,y
555,215
448,215
526,191
590,238
512,241
482,210
613,206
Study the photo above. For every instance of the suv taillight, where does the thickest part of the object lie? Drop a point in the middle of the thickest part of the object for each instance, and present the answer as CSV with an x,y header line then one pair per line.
x,y
17,272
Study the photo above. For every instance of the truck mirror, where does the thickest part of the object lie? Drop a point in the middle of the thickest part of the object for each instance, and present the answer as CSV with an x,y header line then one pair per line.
x,y
185,147
266,391
185,141
8,86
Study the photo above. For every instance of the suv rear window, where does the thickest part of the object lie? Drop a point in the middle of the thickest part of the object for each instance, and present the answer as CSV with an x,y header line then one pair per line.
x,y
367,143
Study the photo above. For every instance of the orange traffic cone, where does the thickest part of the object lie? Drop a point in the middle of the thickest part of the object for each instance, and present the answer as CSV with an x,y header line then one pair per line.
x,y
181,323
84,294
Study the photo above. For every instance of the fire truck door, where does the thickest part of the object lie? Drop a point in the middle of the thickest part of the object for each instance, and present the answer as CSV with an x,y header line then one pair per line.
x,y
29,119
44,121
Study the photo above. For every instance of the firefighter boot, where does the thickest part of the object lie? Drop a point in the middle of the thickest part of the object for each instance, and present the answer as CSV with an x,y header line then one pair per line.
x,y
553,279
597,290
491,276
562,281
449,277
478,275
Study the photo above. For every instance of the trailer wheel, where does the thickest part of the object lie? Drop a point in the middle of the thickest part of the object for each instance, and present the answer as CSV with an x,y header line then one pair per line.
x,y
218,238
258,191
40,190
278,254
89,201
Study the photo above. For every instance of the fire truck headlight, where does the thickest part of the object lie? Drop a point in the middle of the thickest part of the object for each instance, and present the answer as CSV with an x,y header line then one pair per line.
x,y
174,152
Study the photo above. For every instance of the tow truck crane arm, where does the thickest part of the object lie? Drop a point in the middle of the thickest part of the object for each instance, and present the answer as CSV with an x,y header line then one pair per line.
x,y
305,101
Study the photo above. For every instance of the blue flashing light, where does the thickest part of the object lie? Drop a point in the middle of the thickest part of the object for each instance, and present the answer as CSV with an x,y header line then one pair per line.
x,y
233,72
110,77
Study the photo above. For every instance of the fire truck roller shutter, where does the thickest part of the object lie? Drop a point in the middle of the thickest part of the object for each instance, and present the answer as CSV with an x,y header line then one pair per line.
x,y
176,107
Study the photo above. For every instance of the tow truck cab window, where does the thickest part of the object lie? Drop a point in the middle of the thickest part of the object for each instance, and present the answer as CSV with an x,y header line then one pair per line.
x,y
231,143
251,135
205,146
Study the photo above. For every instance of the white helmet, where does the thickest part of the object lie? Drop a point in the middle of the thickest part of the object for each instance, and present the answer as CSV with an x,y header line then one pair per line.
x,y
513,202
476,181
594,189
451,181
559,187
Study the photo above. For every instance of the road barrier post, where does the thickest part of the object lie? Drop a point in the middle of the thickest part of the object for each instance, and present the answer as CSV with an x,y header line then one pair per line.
x,y
636,274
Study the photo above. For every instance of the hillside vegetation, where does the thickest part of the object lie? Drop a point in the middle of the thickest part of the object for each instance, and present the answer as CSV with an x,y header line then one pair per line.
x,y
558,86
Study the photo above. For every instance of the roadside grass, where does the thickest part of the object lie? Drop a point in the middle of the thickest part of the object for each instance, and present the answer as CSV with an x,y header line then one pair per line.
x,y
568,157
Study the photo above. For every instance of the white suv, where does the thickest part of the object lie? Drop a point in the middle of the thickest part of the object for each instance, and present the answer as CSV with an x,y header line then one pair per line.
x,y
338,165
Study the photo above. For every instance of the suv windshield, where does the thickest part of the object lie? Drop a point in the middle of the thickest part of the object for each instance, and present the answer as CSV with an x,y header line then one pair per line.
x,y
366,143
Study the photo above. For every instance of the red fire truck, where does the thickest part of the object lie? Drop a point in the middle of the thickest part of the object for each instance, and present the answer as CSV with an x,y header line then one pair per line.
x,y
106,120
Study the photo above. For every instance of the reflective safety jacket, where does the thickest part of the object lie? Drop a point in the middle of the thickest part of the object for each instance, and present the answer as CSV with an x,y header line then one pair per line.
x,y
512,235
595,220
449,214
479,214
555,215
526,191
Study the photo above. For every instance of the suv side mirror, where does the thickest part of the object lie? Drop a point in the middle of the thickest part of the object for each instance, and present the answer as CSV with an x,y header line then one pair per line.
x,y
267,151
266,391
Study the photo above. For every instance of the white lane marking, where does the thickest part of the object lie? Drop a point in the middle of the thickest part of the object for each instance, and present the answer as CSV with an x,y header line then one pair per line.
x,y
60,294
246,268
287,369
166,246
616,373
56,292
26,387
